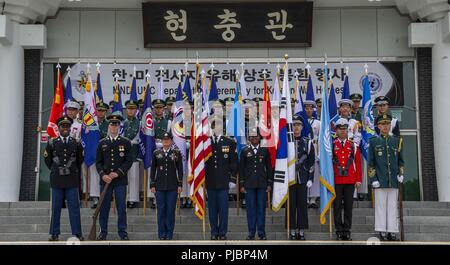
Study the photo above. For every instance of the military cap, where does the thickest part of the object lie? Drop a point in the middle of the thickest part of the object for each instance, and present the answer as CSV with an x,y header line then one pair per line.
x,y
341,123
115,117
297,119
319,100
356,97
111,103
383,118
309,102
72,104
102,106
140,102
381,100
131,104
64,120
158,103
345,101
167,135
170,100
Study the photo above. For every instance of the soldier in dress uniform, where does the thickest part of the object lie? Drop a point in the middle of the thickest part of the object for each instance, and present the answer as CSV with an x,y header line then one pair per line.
x,y
72,108
386,167
347,177
382,103
220,176
169,105
166,182
256,180
356,109
314,191
318,107
131,129
345,107
94,180
114,159
162,124
63,156
304,176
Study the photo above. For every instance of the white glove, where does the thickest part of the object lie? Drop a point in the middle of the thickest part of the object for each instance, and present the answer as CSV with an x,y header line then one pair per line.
x,y
375,184
400,178
309,184
231,185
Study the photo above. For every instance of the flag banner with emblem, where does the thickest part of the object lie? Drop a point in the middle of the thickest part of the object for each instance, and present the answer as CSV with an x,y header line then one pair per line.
x,y
280,179
199,152
98,89
57,107
327,192
187,90
236,121
179,137
147,133
290,131
90,133
368,129
265,125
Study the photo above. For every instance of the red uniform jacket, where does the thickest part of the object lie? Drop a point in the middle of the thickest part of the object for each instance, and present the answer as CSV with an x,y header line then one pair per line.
x,y
341,156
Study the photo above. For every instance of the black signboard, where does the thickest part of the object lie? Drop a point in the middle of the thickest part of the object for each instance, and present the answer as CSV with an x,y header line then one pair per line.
x,y
255,24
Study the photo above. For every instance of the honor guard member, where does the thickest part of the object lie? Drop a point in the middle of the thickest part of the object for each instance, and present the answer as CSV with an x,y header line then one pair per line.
x,y
165,175
161,122
256,180
314,191
220,176
386,167
356,109
304,175
186,202
102,109
347,177
114,159
345,108
63,156
382,104
141,105
169,105
318,107
131,129
111,105
72,108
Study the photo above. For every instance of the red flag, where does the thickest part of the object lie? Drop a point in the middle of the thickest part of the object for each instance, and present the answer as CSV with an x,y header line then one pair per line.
x,y
266,125
57,108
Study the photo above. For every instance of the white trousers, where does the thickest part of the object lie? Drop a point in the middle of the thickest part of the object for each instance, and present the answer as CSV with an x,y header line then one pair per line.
x,y
133,182
94,182
149,193
84,171
386,210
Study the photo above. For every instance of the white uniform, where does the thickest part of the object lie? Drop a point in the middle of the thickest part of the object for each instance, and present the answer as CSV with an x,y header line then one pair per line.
x,y
133,176
386,210
314,191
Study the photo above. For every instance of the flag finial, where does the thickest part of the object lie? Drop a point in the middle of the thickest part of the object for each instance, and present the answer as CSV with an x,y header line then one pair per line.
x,y
147,77
264,73
179,74
98,65
366,68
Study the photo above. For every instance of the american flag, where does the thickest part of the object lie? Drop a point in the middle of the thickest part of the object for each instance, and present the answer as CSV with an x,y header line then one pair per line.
x,y
200,151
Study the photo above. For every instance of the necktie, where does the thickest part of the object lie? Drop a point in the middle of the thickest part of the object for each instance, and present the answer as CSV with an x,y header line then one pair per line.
x,y
255,150
342,143
216,139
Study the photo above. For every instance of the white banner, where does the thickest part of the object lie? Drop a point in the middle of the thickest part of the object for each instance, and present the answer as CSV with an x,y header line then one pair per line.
x,y
380,78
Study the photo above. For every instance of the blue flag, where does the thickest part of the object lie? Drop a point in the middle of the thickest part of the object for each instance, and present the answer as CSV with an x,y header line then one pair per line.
x,y
117,107
346,89
187,90
310,94
213,94
332,105
235,124
147,133
68,93
368,129
133,94
98,90
327,192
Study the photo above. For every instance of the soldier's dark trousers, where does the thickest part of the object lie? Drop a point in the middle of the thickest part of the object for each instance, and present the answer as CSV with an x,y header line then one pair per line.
x,y
73,202
256,211
120,193
298,206
344,199
166,202
218,211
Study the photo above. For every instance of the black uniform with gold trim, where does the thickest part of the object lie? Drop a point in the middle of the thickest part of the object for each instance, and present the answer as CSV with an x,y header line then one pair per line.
x,y
167,169
221,168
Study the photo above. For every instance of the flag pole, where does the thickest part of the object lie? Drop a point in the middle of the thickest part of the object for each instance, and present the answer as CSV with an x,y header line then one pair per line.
x,y
145,192
204,212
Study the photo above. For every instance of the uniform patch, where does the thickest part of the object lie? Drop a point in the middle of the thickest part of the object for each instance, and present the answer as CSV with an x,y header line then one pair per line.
x,y
121,148
121,154
225,156
380,153
249,154
159,156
